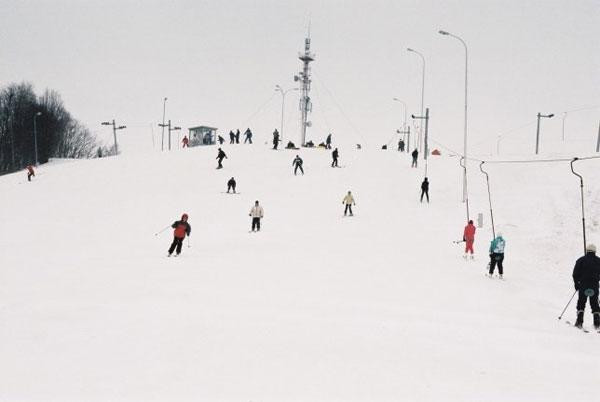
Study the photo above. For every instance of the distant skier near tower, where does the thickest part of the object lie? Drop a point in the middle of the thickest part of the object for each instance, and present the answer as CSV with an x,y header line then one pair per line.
x,y
185,142
231,137
248,135
497,255
328,141
348,201
220,156
401,145
335,154
469,238
586,276
182,228
415,156
237,136
297,164
275,139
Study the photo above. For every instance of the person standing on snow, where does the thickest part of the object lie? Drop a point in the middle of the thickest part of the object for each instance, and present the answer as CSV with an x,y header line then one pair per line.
x,y
335,154
248,135
425,189
415,156
257,213
182,228
497,255
220,157
30,172
401,145
297,164
586,276
237,136
185,142
469,238
348,201
275,139
231,137
221,140
231,185
328,141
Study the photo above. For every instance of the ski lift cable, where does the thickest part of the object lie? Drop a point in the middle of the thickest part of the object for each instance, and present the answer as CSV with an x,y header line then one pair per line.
x,y
260,109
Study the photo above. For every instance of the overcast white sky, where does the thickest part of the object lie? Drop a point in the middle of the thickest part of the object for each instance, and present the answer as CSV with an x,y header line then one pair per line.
x,y
218,63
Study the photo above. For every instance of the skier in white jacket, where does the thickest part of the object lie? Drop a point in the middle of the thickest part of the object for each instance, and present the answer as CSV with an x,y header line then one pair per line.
x,y
257,213
348,201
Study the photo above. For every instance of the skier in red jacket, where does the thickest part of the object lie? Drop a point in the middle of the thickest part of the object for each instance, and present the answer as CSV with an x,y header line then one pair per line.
x,y
182,228
185,142
469,238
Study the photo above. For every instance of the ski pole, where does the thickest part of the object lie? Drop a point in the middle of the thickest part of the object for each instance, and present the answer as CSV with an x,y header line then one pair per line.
x,y
188,241
565,309
162,230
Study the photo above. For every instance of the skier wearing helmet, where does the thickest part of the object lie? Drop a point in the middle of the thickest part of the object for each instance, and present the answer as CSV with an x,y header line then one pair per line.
x,y
182,228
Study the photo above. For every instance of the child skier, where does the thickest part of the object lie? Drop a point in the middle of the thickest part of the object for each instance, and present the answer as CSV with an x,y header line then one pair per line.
x,y
586,276
348,201
469,238
257,213
185,142
182,228
497,255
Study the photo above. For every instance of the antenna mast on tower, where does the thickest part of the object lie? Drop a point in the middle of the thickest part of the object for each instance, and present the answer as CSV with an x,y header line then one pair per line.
x,y
304,77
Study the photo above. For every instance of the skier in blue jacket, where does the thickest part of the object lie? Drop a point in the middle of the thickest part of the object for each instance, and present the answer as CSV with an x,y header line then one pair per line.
x,y
497,254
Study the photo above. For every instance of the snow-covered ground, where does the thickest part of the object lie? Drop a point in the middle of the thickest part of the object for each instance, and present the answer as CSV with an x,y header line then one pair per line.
x,y
315,307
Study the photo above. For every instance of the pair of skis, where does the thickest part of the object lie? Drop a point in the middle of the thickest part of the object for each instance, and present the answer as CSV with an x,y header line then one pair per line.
x,y
582,328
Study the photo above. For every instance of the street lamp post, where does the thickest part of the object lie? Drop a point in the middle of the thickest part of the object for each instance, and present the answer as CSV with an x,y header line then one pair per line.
x,y
283,93
169,130
422,87
537,131
403,104
162,141
465,192
115,128
35,116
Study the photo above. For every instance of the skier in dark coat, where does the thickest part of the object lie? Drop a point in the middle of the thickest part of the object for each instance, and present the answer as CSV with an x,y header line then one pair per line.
x,y
182,228
231,137
248,135
425,189
237,136
275,139
231,185
335,154
401,145
221,140
328,142
586,276
415,156
220,157
497,247
297,164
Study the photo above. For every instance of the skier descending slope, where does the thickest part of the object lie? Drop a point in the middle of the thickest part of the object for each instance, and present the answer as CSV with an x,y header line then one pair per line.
x,y
297,164
469,238
257,213
586,276
497,255
425,189
220,157
348,201
275,139
335,155
231,185
30,172
182,228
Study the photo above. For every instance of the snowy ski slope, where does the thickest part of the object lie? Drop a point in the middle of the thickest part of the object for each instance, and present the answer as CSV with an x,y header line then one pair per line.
x,y
315,307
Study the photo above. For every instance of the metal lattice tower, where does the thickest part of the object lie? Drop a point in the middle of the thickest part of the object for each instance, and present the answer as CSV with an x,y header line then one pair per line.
x,y
304,78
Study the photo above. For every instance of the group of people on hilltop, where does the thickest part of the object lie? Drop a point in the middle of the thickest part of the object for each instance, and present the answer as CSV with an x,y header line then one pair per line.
x,y
234,137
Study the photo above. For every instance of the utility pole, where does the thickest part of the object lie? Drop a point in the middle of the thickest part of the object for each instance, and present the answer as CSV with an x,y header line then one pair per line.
x,y
115,128
35,116
537,132
162,141
598,141
168,125
304,78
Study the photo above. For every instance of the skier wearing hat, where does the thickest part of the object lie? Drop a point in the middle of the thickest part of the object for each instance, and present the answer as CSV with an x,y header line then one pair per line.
x,y
182,228
586,276
497,255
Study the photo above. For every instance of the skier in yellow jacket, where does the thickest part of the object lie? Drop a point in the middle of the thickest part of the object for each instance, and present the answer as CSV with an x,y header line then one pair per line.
x,y
348,201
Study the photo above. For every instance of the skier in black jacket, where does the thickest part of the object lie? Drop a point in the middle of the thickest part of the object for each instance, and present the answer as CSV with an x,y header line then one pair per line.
x,y
586,276
220,157
415,156
297,164
231,185
335,154
425,189
275,139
